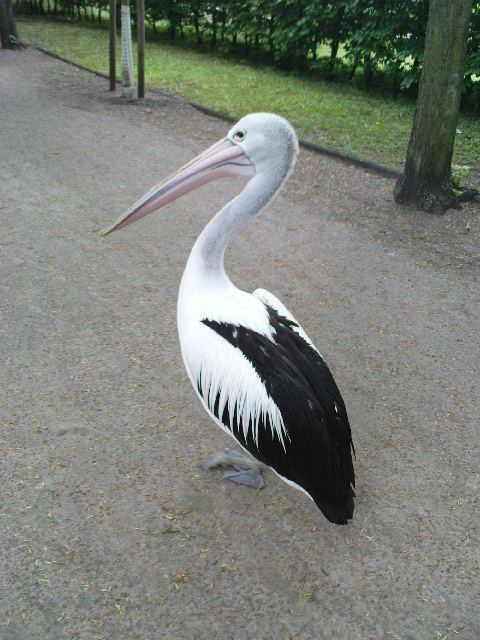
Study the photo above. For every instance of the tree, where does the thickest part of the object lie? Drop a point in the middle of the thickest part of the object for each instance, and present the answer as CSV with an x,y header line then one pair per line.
x,y
8,29
427,179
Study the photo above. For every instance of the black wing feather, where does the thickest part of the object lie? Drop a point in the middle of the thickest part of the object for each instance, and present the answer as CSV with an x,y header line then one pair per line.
x,y
318,447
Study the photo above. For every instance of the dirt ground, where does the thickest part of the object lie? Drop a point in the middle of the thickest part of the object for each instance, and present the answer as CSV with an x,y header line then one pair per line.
x,y
110,530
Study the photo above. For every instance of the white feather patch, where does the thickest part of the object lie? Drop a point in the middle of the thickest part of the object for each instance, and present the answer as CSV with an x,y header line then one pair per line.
x,y
272,301
216,367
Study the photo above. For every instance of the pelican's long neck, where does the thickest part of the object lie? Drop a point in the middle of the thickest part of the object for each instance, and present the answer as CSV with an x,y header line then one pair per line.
x,y
206,257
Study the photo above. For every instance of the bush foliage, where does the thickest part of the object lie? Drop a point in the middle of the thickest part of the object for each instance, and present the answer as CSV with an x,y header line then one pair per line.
x,y
381,41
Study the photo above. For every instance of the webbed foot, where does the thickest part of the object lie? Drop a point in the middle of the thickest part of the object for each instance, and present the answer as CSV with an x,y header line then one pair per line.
x,y
237,467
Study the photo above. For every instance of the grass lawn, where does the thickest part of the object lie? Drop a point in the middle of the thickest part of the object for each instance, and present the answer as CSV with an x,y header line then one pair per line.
x,y
369,126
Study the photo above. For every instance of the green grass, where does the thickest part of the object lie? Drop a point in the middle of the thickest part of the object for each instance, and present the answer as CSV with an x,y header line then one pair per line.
x,y
342,117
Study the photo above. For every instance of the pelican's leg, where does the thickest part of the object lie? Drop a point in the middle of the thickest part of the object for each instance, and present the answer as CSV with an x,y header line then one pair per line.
x,y
237,467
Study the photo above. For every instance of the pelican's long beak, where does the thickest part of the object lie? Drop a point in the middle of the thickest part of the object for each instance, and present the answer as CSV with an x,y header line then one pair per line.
x,y
225,158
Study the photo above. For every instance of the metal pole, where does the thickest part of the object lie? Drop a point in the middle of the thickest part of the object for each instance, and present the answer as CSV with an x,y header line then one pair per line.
x,y
127,58
141,47
113,33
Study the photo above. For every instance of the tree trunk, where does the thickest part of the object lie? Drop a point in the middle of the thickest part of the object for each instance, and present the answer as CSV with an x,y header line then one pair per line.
x,y
8,29
333,57
173,22
224,25
196,24
353,70
337,25
213,43
427,180
368,71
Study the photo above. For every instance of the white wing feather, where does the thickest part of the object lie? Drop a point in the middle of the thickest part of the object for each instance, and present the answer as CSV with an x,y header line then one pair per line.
x,y
272,301
216,367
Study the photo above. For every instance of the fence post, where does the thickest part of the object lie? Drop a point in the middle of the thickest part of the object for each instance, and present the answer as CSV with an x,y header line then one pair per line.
x,y
127,61
141,47
113,34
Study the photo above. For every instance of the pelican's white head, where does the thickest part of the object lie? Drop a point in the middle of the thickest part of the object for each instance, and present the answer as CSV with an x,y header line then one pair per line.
x,y
268,141
260,144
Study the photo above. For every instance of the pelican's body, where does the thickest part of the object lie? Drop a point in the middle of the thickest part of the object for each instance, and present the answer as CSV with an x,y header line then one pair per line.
x,y
255,370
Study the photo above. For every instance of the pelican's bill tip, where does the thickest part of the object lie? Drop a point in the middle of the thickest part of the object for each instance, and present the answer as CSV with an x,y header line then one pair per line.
x,y
106,230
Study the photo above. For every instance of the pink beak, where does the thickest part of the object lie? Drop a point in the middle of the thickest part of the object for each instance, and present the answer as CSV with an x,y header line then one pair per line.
x,y
225,158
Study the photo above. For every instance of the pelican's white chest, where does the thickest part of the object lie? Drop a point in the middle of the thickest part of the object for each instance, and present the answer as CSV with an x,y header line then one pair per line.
x,y
210,295
220,373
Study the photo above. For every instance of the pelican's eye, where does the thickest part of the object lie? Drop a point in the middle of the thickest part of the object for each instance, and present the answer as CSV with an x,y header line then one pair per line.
x,y
239,135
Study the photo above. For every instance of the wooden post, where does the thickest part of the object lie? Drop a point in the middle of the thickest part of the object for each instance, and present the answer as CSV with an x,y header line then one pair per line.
x,y
113,33
141,47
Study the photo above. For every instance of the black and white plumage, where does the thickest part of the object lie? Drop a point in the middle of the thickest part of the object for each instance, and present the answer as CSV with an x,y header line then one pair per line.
x,y
255,370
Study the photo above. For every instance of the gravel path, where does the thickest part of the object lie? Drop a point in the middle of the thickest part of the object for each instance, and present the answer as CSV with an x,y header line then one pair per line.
x,y
109,528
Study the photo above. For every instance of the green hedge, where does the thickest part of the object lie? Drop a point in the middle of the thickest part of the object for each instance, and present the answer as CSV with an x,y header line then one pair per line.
x,y
380,41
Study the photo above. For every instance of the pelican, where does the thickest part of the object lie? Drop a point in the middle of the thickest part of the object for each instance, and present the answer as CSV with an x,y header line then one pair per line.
x,y
255,370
